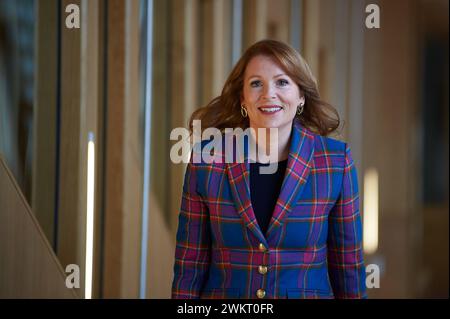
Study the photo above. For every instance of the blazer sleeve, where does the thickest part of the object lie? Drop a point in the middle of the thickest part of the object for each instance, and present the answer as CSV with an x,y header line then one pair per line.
x,y
192,253
345,254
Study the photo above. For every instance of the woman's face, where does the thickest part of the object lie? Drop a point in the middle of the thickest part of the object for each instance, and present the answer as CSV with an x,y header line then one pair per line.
x,y
270,96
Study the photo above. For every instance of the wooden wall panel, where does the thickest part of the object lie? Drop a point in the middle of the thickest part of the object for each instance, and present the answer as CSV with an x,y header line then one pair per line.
x,y
69,242
124,169
184,81
254,21
28,266
311,34
44,123
133,157
114,145
390,140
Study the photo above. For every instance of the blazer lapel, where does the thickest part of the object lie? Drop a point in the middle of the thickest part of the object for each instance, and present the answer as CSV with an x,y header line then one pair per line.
x,y
297,171
238,174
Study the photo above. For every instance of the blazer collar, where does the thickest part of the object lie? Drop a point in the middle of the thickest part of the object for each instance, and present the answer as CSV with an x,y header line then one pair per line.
x,y
298,168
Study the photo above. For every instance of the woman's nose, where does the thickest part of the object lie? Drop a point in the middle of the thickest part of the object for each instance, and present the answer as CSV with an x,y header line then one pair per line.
x,y
268,92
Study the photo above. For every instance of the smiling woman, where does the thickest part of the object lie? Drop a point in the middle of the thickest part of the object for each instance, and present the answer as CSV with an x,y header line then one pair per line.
x,y
271,99
225,110
275,86
293,233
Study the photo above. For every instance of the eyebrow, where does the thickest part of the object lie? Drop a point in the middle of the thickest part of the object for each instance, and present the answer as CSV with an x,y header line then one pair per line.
x,y
258,76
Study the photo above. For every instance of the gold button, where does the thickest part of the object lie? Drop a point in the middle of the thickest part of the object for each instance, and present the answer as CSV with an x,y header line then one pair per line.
x,y
260,293
262,270
262,247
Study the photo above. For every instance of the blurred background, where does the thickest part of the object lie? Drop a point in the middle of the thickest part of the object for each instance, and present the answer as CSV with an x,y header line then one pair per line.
x,y
86,114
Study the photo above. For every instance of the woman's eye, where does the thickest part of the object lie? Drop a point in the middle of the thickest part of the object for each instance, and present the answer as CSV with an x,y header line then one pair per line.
x,y
282,82
255,84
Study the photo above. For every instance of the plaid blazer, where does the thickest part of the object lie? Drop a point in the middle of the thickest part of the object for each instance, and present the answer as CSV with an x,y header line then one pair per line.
x,y
312,248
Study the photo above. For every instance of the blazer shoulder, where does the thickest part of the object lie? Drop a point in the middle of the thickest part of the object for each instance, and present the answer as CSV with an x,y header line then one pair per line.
x,y
208,152
330,145
322,144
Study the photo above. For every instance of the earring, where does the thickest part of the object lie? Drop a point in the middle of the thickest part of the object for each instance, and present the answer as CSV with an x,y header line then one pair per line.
x,y
244,112
300,109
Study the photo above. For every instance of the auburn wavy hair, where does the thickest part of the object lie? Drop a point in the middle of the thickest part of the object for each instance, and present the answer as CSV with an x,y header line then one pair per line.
x,y
224,111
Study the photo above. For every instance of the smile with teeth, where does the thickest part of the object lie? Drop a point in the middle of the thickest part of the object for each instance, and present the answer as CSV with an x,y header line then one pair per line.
x,y
270,109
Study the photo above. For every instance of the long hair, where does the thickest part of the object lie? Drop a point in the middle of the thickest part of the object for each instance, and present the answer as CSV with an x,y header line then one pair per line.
x,y
224,110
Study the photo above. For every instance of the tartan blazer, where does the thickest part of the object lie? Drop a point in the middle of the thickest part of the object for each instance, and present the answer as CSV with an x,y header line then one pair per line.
x,y
312,248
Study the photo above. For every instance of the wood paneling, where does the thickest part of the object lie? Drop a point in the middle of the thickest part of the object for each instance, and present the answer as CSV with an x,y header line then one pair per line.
x,y
254,21
184,80
114,147
44,123
69,242
123,180
161,253
133,157
391,140
161,96
311,34
28,266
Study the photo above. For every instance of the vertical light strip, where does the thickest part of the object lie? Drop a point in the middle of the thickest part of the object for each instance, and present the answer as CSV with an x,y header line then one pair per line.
x,y
147,148
370,211
90,215
236,32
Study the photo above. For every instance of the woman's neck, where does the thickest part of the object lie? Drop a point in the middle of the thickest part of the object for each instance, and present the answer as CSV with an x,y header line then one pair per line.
x,y
276,146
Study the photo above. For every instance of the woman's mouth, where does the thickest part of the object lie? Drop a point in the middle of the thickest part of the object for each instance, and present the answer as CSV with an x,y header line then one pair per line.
x,y
270,109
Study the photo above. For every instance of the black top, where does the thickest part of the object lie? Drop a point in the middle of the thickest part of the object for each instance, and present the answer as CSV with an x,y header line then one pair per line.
x,y
264,191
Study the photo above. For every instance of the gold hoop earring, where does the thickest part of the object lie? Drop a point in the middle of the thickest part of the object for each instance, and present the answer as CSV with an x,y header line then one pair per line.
x,y
300,109
244,112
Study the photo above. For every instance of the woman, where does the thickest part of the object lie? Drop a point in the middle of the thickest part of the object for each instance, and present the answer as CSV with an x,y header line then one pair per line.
x,y
295,233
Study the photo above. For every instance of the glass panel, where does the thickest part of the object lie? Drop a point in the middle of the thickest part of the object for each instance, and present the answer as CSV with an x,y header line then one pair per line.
x,y
17,67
